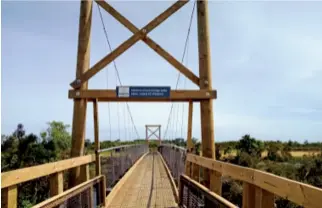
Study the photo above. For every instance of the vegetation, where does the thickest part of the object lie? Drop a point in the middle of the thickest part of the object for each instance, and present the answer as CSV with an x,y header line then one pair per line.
x,y
278,160
24,150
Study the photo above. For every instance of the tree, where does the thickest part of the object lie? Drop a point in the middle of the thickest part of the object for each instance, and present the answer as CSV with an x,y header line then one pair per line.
x,y
250,146
57,132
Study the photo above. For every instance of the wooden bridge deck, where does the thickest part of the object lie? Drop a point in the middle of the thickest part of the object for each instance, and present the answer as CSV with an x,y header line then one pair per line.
x,y
147,186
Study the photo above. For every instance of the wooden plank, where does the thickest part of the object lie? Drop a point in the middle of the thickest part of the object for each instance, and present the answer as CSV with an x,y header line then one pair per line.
x,y
264,199
96,137
128,43
58,199
205,189
9,197
84,175
120,183
249,195
300,193
80,105
189,133
297,192
56,183
175,96
157,48
102,188
14,177
189,139
215,182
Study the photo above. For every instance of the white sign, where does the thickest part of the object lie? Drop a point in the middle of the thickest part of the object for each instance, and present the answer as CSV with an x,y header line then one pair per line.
x,y
124,91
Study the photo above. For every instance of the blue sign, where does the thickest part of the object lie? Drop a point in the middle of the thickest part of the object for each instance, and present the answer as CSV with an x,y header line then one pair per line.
x,y
138,91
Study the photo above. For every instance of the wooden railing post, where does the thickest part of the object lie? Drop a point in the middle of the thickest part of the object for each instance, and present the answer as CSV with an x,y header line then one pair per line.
x,y
96,136
9,197
192,170
56,183
255,197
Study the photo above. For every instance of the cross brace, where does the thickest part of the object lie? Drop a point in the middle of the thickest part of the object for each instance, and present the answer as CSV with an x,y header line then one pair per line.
x,y
138,35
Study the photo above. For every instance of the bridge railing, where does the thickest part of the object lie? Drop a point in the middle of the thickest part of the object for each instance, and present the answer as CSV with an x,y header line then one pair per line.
x,y
175,158
259,188
115,161
91,192
51,175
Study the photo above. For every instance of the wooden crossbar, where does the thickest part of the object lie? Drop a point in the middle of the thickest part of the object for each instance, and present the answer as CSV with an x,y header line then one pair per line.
x,y
127,44
153,132
153,45
175,96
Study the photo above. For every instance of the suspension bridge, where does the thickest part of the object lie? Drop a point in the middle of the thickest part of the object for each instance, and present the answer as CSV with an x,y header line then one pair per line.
x,y
136,175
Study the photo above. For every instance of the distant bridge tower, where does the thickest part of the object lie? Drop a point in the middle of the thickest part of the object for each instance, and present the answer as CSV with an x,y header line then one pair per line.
x,y
155,130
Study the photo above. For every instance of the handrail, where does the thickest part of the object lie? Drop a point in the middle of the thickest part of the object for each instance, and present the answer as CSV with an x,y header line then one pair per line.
x,y
118,147
186,180
300,193
175,146
58,199
14,177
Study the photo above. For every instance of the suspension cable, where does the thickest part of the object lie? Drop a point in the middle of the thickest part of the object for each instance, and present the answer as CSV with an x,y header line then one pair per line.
x,y
116,69
184,86
184,52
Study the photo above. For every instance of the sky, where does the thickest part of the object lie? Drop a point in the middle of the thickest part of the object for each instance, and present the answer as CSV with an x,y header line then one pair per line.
x,y
265,56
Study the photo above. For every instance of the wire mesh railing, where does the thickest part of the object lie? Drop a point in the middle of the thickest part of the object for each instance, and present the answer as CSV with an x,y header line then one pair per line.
x,y
90,194
194,195
175,158
116,161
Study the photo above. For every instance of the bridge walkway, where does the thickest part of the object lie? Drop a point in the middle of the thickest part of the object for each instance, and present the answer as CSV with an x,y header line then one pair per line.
x,y
147,186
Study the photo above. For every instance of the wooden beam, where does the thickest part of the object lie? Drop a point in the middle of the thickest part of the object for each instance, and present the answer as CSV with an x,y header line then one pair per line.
x,y
297,192
157,48
206,111
249,195
127,44
84,176
80,105
175,96
56,183
189,139
264,199
14,177
255,197
9,196
153,125
189,134
96,136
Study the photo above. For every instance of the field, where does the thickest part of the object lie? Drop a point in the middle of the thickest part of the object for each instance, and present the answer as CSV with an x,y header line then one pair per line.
x,y
264,154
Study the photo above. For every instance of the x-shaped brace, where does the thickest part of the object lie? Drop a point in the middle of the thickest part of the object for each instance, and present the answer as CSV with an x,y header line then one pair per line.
x,y
138,35
153,133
